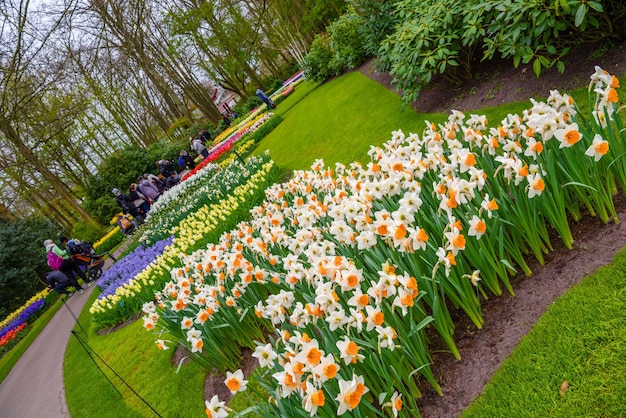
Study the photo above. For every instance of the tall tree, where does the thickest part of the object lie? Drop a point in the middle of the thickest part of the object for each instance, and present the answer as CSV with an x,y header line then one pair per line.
x,y
28,72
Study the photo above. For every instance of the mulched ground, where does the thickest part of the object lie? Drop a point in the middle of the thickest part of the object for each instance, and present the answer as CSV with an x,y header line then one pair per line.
x,y
508,318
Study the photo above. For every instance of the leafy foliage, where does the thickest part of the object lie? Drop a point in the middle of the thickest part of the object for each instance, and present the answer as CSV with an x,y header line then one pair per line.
x,y
342,48
378,18
87,231
22,260
443,37
245,107
318,63
346,36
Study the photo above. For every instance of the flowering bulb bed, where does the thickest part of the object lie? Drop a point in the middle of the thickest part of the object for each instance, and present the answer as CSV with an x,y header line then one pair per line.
x,y
11,327
221,147
232,190
345,268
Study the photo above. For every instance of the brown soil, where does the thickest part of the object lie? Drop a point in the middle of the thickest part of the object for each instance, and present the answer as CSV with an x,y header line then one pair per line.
x,y
499,82
508,318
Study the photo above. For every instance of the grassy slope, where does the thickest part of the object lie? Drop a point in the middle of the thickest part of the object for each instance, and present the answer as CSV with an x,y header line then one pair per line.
x,y
581,339
132,354
339,121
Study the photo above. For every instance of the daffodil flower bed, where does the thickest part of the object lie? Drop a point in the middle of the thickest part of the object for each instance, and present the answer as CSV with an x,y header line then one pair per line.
x,y
206,187
124,294
349,266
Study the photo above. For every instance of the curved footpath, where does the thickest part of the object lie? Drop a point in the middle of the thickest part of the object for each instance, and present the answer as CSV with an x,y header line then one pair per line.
x,y
34,387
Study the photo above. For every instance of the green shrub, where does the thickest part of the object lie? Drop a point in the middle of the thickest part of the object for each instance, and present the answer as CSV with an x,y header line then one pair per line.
x,y
530,32
243,108
444,37
348,42
317,64
87,231
377,18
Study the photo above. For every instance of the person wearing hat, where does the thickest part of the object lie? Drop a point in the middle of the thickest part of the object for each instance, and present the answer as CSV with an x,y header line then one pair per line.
x,y
67,267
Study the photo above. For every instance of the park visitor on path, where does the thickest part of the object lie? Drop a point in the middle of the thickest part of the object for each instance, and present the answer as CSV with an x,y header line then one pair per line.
x,y
65,264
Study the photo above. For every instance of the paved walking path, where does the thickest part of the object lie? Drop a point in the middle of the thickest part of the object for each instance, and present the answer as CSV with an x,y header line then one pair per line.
x,y
35,388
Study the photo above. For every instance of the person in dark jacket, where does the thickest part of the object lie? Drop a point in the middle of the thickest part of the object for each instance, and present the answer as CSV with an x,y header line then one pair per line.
x,y
204,136
58,282
172,181
165,168
265,99
185,161
139,200
128,206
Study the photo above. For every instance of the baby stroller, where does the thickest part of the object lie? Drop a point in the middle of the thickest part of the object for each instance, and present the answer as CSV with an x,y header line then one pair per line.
x,y
85,256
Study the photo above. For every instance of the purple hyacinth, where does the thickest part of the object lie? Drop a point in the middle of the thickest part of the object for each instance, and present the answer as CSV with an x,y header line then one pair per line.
x,y
23,317
130,266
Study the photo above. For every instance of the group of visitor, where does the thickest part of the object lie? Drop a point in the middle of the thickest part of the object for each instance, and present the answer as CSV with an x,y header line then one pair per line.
x,y
64,269
141,195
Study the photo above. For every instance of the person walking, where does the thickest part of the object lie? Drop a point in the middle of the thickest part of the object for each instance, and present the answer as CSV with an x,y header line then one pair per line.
x,y
198,147
265,99
60,260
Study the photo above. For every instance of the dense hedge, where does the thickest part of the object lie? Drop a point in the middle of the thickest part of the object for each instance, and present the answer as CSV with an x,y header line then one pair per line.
x,y
418,39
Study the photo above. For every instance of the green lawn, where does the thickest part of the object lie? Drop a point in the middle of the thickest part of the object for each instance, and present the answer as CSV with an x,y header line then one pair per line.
x,y
131,353
338,121
580,340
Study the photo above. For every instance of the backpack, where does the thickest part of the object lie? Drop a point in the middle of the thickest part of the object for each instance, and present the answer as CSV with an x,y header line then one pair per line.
x,y
54,261
125,222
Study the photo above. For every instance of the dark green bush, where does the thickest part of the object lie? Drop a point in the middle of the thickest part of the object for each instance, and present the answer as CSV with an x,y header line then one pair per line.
x,y
378,18
445,36
347,41
243,108
87,231
318,63
23,259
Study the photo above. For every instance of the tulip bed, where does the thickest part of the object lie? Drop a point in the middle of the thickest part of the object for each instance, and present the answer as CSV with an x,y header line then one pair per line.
x,y
15,325
337,276
222,146
193,212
